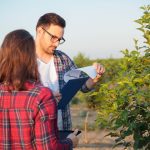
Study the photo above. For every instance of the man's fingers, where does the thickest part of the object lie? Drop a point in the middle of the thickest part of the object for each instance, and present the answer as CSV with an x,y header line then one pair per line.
x,y
57,95
99,68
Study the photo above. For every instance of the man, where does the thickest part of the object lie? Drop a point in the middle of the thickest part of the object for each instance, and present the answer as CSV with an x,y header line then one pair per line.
x,y
53,64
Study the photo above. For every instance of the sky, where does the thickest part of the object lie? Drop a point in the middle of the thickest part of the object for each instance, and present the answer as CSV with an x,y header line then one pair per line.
x,y
96,28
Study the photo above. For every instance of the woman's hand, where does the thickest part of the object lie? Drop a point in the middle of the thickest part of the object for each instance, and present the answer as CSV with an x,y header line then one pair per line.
x,y
74,137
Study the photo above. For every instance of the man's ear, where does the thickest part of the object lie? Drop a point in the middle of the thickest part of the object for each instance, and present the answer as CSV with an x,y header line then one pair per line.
x,y
39,30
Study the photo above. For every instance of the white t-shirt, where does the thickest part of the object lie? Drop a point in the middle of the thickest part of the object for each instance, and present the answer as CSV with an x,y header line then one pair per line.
x,y
49,78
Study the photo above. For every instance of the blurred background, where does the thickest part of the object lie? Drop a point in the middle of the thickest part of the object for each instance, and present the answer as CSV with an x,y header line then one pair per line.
x,y
97,28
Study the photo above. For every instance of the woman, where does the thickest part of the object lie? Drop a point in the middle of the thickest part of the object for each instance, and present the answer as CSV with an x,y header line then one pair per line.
x,y
28,113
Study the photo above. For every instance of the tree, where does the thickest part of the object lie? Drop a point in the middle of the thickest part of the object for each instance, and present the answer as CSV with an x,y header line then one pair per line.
x,y
123,103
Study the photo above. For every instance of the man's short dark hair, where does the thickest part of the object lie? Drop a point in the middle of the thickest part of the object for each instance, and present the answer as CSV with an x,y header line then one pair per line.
x,y
51,18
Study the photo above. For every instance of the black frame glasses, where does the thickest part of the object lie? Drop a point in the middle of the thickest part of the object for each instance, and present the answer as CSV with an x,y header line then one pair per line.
x,y
55,38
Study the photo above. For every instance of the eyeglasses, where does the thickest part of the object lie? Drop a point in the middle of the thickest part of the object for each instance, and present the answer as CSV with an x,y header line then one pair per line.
x,y
54,38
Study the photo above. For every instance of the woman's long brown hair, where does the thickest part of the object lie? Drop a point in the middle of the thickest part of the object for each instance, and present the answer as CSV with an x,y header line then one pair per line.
x,y
18,59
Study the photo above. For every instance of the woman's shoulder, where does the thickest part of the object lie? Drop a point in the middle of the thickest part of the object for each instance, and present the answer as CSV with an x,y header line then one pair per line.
x,y
37,86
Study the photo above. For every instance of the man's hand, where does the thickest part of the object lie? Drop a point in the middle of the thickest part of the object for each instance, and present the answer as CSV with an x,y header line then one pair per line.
x,y
57,96
100,71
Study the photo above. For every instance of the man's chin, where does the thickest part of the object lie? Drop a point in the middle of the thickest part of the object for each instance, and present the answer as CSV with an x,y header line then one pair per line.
x,y
51,52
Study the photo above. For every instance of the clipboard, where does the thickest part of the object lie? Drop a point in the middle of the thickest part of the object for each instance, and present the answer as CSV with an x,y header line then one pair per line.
x,y
69,90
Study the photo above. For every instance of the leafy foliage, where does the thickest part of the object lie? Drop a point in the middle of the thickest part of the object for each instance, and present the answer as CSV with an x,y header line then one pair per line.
x,y
81,60
123,103
122,97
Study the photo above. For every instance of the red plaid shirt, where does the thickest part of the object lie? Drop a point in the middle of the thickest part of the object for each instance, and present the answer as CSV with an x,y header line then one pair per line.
x,y
28,120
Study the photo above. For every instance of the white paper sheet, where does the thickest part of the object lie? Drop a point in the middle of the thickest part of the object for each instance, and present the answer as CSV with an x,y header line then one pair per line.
x,y
75,73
